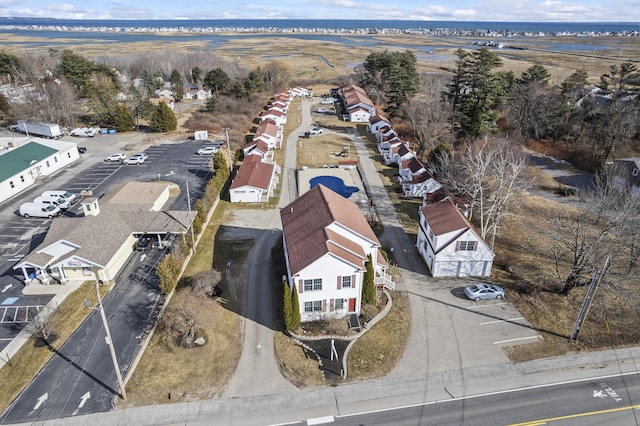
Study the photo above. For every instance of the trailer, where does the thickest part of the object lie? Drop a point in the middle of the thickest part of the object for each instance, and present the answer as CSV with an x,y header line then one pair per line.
x,y
45,130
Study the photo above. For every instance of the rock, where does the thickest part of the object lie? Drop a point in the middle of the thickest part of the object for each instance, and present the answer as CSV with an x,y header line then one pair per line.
x,y
199,341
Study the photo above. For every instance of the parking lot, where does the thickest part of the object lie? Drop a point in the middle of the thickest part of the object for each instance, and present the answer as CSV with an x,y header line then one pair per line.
x,y
460,332
175,162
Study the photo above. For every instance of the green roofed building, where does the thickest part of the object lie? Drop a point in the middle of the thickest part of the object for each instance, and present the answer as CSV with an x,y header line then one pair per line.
x,y
23,160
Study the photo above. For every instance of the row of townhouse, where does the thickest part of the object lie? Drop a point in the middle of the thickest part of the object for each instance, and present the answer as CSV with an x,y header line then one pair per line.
x,y
258,175
189,92
413,176
357,106
446,240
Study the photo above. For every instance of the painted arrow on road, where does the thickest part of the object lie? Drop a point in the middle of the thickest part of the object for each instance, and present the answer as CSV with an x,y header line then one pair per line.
x,y
83,399
7,287
42,399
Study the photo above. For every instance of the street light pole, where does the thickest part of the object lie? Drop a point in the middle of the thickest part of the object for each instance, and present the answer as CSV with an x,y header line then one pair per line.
x,y
226,133
123,393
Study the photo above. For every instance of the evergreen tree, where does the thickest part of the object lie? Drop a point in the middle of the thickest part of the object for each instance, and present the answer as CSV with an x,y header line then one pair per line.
x,y
295,309
475,90
390,77
287,310
196,75
211,104
177,85
123,120
368,285
163,119
216,80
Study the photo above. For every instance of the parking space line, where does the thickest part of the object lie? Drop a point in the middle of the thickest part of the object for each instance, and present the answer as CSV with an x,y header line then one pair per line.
x,y
515,340
502,320
486,306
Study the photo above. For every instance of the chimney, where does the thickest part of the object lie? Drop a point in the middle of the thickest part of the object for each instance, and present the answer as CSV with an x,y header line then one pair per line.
x,y
90,206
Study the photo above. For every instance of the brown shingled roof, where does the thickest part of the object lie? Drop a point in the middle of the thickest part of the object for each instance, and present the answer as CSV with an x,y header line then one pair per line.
x,y
444,217
253,172
304,223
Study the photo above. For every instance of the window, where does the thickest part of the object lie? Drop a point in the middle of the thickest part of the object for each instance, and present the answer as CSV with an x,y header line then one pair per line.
x,y
55,159
346,281
315,306
21,178
430,234
313,285
48,165
467,245
68,155
635,172
86,272
11,184
339,304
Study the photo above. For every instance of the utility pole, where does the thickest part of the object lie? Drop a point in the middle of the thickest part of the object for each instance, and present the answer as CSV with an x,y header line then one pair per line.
x,y
226,133
588,299
87,303
193,238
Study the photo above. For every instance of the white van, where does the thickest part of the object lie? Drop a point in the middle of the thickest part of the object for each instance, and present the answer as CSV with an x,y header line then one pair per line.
x,y
39,210
59,202
71,198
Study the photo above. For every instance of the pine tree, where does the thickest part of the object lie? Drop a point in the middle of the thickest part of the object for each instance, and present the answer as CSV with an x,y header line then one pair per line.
x,y
287,311
368,285
295,309
163,119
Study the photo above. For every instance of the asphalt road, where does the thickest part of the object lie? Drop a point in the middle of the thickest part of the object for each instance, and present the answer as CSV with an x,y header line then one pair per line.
x,y
607,400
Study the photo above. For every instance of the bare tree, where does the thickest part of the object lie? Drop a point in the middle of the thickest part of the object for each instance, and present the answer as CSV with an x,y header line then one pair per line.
x,y
205,282
429,119
491,176
41,326
585,236
183,319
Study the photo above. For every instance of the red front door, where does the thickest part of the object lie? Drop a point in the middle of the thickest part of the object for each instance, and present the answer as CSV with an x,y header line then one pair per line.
x,y
352,305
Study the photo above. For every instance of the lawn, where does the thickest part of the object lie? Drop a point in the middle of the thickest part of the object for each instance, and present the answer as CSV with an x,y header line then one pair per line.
x,y
169,373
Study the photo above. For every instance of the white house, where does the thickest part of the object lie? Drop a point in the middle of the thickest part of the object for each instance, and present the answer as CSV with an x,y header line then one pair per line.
x,y
24,159
279,117
164,93
194,92
358,114
357,104
254,182
327,241
398,154
448,243
420,186
376,122
626,175
269,133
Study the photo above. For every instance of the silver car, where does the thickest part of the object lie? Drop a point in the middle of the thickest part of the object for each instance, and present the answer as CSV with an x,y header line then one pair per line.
x,y
484,291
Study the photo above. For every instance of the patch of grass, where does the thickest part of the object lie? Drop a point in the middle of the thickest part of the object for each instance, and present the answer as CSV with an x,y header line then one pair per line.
x,y
321,150
169,373
34,354
379,350
296,364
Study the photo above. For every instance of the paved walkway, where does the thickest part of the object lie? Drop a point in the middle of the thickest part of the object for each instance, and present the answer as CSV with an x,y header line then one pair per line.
x,y
257,372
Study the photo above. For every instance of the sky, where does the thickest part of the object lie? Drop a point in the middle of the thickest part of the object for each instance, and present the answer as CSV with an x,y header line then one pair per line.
x,y
440,10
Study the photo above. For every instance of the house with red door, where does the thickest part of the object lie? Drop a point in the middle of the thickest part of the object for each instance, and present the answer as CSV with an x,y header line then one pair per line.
x,y
327,244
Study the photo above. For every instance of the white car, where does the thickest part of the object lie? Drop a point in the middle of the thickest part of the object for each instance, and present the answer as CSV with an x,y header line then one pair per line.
x,y
116,157
322,110
328,101
315,131
208,150
134,159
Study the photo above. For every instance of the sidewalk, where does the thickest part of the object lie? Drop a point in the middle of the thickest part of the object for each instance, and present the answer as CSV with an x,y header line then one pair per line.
x,y
299,405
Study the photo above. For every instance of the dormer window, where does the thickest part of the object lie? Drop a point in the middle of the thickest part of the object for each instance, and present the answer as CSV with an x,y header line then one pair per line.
x,y
635,172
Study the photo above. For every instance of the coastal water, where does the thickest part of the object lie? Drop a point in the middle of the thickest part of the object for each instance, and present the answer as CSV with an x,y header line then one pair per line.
x,y
351,24
63,33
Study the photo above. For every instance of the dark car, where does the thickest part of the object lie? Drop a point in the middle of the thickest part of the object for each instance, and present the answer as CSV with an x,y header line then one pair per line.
x,y
145,242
